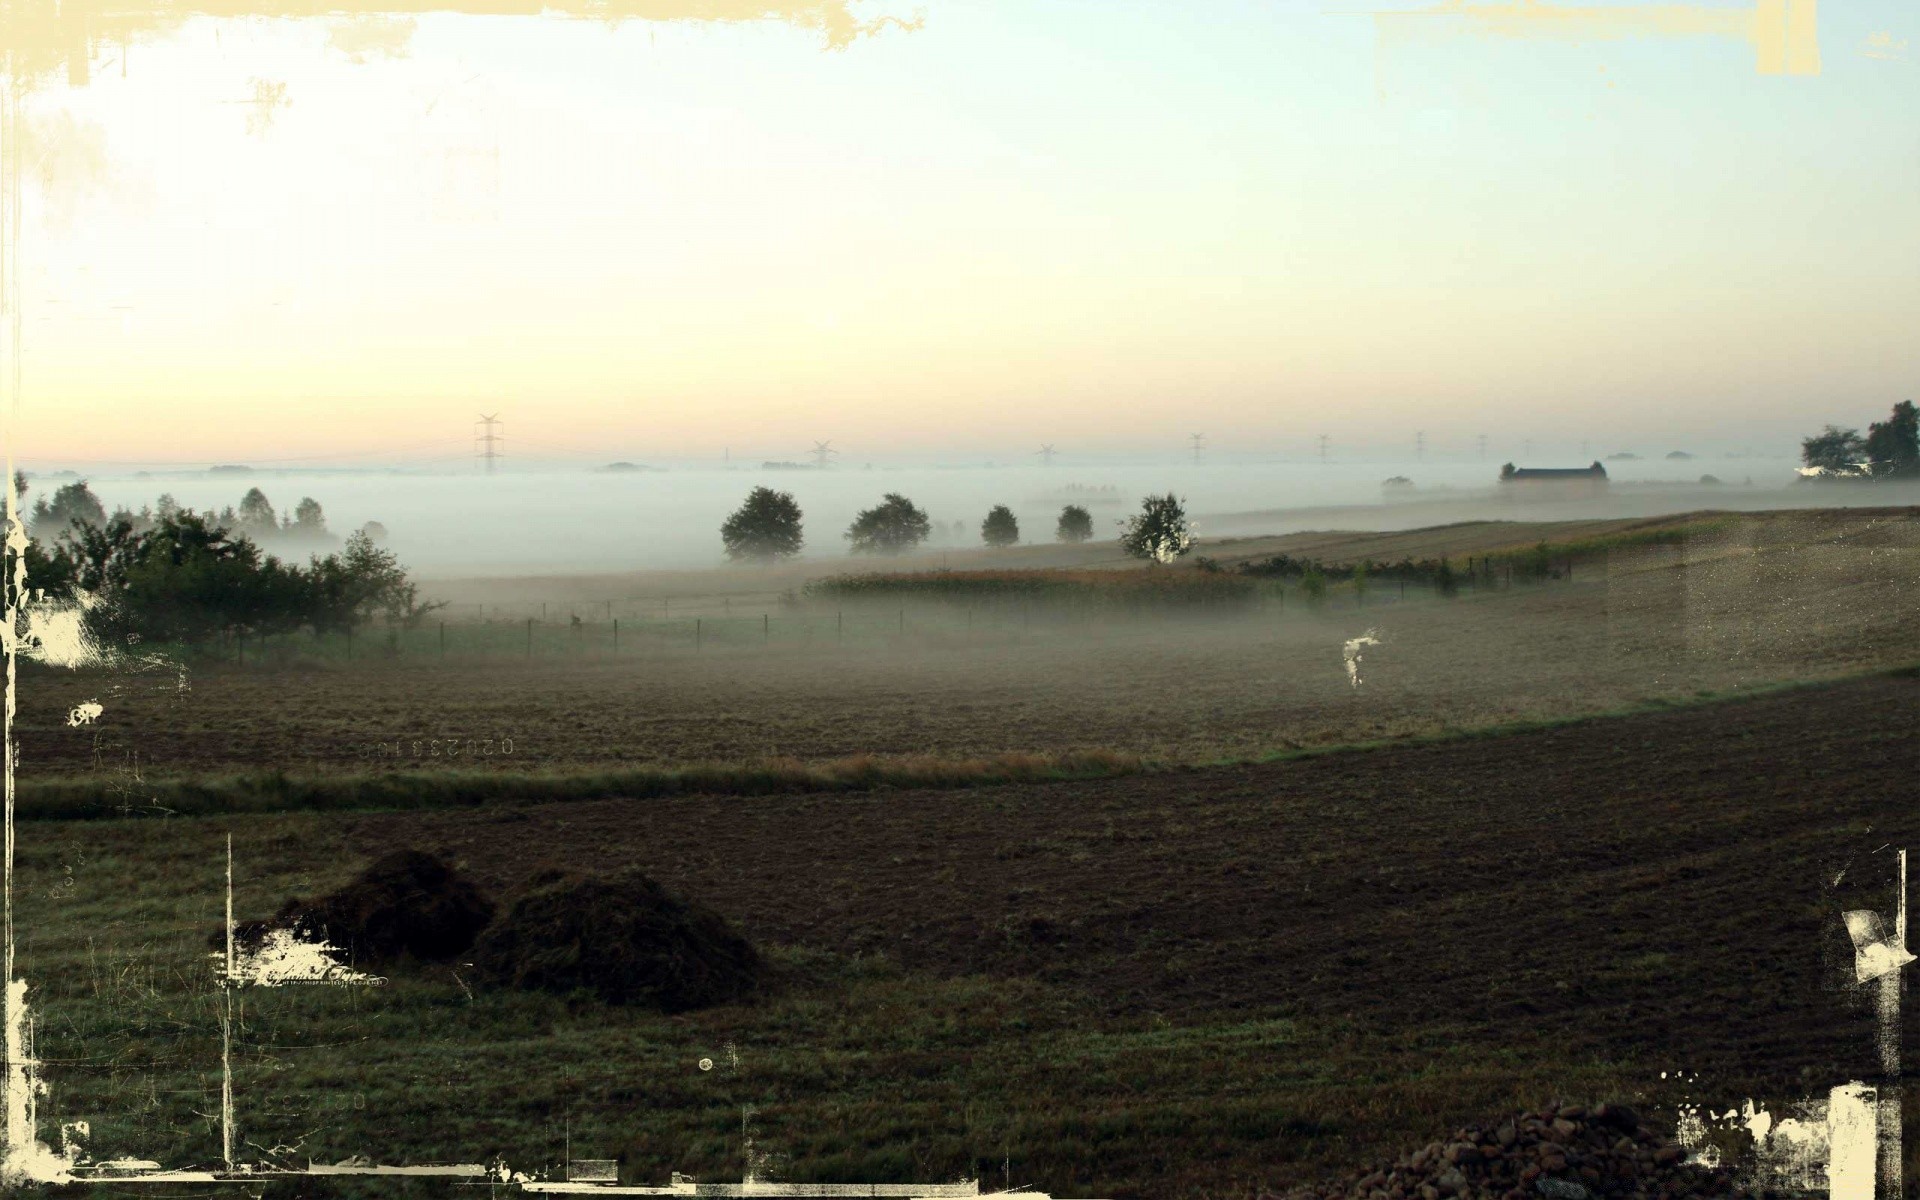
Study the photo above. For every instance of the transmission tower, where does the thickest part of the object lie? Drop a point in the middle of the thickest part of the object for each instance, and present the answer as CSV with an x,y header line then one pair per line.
x,y
1046,453
1420,446
1198,440
821,452
1323,448
486,440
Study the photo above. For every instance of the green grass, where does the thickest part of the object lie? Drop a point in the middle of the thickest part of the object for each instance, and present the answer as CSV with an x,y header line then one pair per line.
x,y
852,1068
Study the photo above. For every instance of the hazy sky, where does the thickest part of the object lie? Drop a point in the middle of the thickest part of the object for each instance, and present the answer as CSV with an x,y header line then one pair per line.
x,y
992,224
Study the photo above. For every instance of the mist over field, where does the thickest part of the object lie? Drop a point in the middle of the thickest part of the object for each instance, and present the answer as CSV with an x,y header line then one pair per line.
x,y
533,519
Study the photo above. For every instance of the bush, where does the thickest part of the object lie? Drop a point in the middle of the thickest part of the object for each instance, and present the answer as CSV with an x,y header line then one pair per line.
x,y
1313,586
765,527
185,578
1000,528
625,939
1159,531
1076,524
893,526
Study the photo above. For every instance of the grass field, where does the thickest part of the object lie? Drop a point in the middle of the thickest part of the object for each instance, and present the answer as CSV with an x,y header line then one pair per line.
x,y
1167,979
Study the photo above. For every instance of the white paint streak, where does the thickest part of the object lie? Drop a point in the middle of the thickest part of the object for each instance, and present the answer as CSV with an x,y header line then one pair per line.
x,y
57,634
1875,954
282,958
1353,649
85,713
1853,1145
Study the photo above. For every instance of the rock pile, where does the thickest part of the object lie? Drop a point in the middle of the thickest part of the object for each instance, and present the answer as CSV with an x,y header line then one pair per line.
x,y
1562,1153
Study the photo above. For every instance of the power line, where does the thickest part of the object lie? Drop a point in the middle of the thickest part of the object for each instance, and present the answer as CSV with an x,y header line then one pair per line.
x,y
488,439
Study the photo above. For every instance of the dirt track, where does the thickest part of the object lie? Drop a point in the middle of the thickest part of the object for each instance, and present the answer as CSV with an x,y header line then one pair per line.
x,y
1654,888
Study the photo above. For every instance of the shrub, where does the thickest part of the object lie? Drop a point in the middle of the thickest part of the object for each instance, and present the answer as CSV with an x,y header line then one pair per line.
x,y
1076,524
1160,531
893,526
1000,528
1313,585
765,527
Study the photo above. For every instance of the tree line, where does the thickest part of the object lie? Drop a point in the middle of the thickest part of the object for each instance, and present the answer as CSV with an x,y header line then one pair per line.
x,y
173,575
767,527
1889,450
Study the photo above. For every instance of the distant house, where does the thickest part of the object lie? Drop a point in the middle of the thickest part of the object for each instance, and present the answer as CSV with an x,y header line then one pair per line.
x,y
1555,483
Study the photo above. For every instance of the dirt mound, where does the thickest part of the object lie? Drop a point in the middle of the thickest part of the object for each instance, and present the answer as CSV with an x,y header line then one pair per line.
x,y
408,903
622,937
1569,1153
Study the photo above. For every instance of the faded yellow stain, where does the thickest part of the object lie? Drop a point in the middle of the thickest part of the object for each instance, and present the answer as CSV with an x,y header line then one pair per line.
x,y
38,39
1883,45
1784,33
373,36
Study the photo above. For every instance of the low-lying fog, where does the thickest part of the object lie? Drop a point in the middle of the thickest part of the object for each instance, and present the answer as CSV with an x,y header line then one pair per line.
x,y
529,520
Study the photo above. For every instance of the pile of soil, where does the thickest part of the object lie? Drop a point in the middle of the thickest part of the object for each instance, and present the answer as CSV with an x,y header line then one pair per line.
x,y
407,904
622,937
1570,1153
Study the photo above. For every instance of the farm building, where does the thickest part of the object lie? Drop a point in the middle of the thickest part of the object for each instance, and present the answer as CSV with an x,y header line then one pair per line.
x,y
1558,483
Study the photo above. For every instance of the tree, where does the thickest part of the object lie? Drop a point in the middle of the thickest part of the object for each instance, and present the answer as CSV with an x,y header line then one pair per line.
x,y
1893,445
893,526
1506,472
1834,449
256,516
308,518
766,527
1076,524
1159,531
1000,528
72,504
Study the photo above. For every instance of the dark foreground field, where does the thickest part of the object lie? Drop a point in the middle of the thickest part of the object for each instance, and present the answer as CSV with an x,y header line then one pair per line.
x,y
1199,983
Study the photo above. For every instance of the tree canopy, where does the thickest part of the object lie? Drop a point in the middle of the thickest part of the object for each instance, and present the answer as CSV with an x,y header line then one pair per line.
x,y
1893,445
893,526
1076,524
1160,531
186,578
1000,528
1834,449
765,527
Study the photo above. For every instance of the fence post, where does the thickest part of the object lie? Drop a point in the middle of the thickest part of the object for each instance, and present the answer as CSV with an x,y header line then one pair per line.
x,y
543,610
766,628
529,637
903,620
839,626
349,643
443,639
616,635
696,633
240,648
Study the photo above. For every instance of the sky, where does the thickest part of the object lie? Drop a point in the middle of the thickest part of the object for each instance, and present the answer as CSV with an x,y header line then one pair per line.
x,y
970,226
